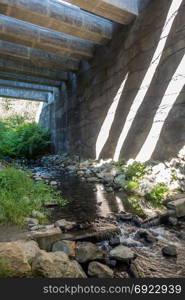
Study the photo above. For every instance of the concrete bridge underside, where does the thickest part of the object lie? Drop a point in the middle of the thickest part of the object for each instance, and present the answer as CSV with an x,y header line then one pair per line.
x,y
43,43
110,73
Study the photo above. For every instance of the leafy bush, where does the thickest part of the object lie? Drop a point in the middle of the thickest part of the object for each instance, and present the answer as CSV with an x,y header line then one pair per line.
x,y
20,195
31,140
121,163
14,121
157,194
6,140
20,139
135,171
132,186
136,207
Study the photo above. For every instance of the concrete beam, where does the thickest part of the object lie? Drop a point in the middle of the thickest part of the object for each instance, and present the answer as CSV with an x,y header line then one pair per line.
x,y
27,69
33,36
61,17
120,11
37,57
8,92
24,85
29,79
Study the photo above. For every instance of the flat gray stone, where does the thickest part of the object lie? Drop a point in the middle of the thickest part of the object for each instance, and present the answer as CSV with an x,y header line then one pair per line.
x,y
122,253
87,252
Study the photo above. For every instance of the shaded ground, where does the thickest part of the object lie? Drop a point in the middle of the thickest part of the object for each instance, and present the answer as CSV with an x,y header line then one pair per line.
x,y
12,233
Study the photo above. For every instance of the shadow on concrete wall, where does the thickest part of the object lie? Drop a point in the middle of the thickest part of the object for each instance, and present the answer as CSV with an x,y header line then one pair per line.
x,y
137,69
172,137
78,121
143,121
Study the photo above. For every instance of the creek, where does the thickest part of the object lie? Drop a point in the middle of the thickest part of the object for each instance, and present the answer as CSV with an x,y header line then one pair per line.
x,y
88,202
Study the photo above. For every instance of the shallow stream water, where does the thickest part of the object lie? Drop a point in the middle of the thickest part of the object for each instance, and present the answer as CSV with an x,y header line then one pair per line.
x,y
87,202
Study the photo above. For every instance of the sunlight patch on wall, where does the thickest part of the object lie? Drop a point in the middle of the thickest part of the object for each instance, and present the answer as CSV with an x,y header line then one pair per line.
x,y
173,90
148,77
37,117
107,124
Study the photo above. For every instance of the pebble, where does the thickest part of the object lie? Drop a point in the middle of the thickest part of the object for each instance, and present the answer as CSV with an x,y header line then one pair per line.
x,y
169,251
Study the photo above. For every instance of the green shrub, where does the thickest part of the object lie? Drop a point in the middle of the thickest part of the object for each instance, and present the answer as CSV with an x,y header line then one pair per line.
x,y
157,194
20,195
135,171
121,163
132,186
20,139
6,140
136,207
14,121
31,140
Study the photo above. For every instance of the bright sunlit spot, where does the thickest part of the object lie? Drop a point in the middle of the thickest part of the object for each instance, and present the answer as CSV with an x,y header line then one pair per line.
x,y
148,77
119,204
105,129
103,206
174,88
37,117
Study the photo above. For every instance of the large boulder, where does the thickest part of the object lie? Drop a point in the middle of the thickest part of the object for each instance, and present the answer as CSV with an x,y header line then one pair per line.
x,y
96,269
13,262
122,253
87,251
68,247
29,248
56,265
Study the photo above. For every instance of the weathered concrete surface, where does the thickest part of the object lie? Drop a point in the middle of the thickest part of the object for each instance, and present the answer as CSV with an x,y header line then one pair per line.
x,y
28,69
90,98
29,86
37,57
29,79
27,34
8,92
121,11
60,17
46,238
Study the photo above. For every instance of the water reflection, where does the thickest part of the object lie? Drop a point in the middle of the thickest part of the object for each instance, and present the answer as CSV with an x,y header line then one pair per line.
x,y
87,201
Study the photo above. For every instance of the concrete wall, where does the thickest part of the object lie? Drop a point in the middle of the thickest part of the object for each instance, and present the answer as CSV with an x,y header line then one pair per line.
x,y
77,117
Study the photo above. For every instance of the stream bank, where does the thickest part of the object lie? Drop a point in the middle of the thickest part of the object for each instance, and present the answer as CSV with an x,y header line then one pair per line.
x,y
101,221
